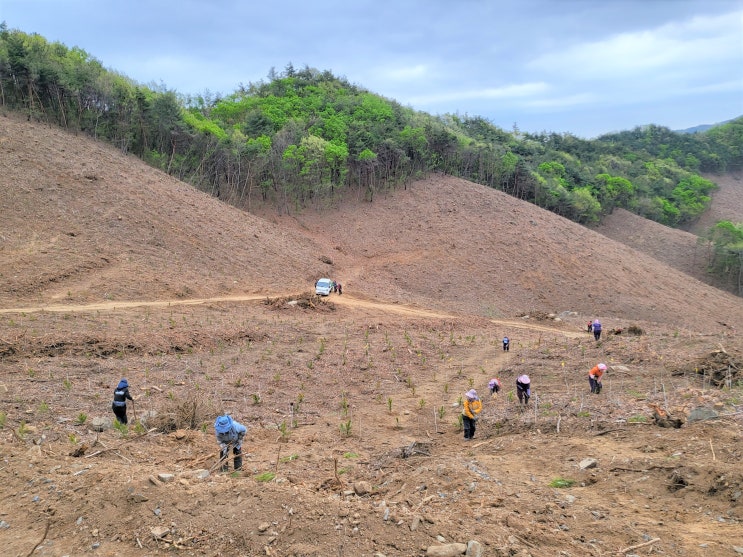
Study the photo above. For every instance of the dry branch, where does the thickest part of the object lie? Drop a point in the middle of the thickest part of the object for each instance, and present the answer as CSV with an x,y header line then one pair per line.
x,y
145,434
600,433
639,545
46,531
643,470
335,471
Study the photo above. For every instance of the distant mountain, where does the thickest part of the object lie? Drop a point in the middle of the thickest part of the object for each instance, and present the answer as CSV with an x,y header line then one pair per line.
x,y
702,127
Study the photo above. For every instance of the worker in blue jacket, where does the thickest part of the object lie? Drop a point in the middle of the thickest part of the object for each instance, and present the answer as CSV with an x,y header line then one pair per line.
x,y
229,434
121,394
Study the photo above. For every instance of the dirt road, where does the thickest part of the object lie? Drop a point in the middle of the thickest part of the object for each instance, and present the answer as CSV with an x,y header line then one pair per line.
x,y
345,300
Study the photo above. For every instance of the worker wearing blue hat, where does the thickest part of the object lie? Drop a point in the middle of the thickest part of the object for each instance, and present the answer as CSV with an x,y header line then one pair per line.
x,y
229,434
121,394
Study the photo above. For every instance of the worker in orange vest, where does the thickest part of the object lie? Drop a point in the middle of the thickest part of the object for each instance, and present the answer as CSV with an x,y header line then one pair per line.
x,y
594,377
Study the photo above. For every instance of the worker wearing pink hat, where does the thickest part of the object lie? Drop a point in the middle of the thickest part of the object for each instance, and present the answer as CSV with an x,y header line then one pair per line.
x,y
523,389
594,377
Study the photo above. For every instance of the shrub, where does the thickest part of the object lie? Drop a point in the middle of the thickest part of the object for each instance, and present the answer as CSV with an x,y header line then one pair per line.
x,y
186,414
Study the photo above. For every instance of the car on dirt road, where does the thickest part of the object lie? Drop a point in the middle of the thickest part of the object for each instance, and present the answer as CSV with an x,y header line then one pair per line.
x,y
323,287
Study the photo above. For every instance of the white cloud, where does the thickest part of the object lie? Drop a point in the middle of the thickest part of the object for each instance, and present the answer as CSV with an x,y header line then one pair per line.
x,y
418,71
516,91
694,46
720,87
577,99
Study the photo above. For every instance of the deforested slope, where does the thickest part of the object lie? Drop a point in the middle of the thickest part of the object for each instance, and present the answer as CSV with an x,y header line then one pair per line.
x,y
677,248
84,223
449,243
354,445
727,202
686,251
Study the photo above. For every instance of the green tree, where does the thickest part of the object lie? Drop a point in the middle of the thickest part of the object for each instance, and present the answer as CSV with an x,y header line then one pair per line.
x,y
615,191
727,254
587,209
690,196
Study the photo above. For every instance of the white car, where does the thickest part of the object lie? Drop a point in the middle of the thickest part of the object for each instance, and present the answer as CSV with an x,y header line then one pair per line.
x,y
323,287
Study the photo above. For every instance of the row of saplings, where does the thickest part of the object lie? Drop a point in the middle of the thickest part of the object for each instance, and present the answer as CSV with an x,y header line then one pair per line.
x,y
230,433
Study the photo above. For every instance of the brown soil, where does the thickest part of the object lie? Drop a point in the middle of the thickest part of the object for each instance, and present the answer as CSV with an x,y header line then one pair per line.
x,y
110,269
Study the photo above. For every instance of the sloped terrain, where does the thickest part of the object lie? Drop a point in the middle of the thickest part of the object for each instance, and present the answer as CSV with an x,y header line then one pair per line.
x,y
110,269
682,250
676,248
84,223
727,202
451,244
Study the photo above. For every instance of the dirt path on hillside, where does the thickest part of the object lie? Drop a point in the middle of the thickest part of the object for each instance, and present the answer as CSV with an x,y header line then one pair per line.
x,y
346,300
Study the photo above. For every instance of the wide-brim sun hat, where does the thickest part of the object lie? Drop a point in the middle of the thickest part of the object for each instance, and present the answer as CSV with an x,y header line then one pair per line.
x,y
602,367
223,424
471,394
493,382
524,379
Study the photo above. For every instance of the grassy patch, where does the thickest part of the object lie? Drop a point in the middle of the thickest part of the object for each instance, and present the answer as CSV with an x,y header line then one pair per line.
x,y
265,477
561,483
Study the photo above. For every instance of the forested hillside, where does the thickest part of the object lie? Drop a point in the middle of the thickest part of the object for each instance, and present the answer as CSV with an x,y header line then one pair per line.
x,y
303,137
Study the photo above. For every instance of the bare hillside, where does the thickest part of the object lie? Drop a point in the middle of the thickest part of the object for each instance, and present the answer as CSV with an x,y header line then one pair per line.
x,y
727,202
676,248
456,245
82,222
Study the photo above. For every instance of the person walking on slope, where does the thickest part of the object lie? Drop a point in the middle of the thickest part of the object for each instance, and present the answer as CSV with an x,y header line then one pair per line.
x,y
229,434
471,409
506,344
596,327
523,389
339,286
121,394
594,377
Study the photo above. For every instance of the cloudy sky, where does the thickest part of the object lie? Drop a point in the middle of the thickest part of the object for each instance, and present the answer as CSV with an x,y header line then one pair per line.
x,y
585,67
